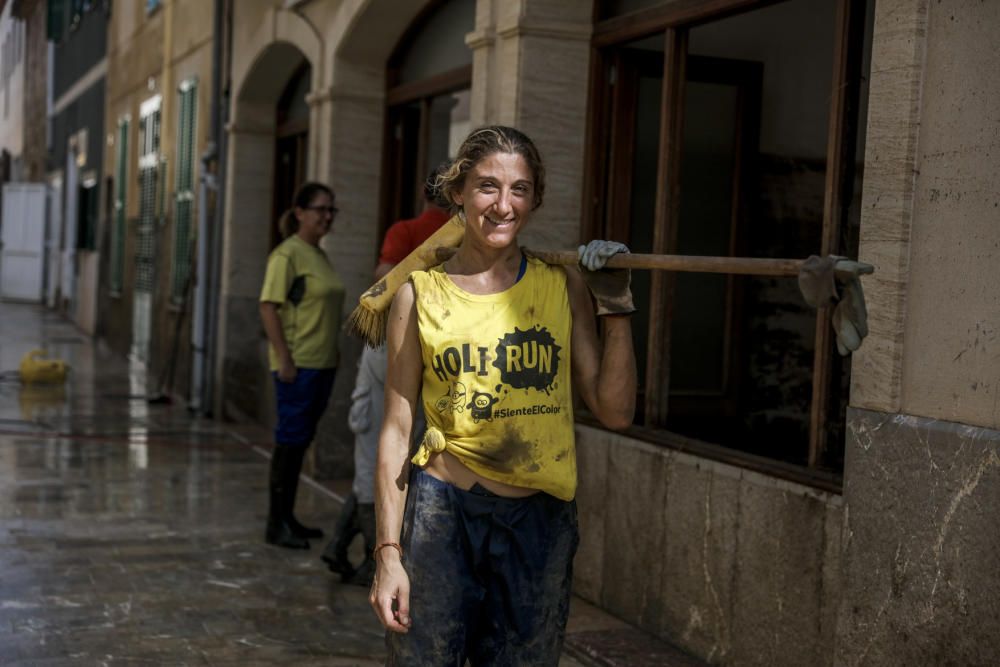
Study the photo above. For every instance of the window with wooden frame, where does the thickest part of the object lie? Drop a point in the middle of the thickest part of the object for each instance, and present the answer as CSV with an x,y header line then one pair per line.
x,y
427,117
732,128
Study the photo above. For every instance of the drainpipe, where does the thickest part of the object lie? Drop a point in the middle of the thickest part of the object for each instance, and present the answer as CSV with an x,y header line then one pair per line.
x,y
199,330
207,183
221,61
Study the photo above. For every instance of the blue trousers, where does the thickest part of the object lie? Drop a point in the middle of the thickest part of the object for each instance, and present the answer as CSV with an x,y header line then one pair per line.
x,y
489,577
301,404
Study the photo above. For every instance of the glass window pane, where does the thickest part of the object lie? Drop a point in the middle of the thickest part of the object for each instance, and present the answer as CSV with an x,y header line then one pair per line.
x,y
440,44
449,125
612,8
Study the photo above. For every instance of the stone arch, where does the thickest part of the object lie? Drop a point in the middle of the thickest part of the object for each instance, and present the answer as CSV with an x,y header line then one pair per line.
x,y
263,83
258,83
370,29
362,37
280,30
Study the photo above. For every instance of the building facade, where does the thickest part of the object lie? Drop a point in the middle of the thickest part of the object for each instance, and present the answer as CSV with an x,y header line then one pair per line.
x,y
23,77
12,68
159,95
774,503
76,118
23,89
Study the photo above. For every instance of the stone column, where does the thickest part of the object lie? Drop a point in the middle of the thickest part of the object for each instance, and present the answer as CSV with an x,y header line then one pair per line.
x,y
320,120
531,65
351,113
241,370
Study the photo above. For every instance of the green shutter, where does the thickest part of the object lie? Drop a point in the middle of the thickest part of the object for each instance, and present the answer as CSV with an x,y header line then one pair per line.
x,y
184,198
118,225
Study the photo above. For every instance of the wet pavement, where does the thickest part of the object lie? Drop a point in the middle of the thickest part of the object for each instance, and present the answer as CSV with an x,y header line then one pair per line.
x,y
132,533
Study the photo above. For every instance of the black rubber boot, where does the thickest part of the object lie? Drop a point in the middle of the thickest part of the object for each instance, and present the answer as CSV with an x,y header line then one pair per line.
x,y
294,470
335,554
279,532
366,520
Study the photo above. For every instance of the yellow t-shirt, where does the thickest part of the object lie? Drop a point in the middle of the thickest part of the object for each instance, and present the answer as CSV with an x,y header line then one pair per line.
x,y
496,379
311,294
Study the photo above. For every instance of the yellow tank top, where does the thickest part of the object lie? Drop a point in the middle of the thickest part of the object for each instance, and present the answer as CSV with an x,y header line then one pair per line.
x,y
496,382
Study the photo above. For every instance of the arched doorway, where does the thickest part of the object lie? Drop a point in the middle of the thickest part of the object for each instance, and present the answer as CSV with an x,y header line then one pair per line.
x,y
427,103
268,123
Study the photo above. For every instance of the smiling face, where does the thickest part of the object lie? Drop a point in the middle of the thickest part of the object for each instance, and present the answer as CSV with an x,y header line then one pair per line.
x,y
497,197
316,219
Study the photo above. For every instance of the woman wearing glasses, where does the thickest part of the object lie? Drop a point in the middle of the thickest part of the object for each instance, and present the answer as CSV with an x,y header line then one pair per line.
x,y
300,305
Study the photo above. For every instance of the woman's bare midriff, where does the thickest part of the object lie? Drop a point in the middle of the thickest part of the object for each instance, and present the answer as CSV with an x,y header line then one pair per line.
x,y
447,468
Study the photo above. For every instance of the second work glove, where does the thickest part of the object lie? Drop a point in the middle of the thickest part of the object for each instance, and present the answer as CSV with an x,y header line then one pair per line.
x,y
850,316
835,281
610,287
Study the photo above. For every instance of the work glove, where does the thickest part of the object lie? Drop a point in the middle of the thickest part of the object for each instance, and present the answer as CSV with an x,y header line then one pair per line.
x,y
835,281
610,287
850,316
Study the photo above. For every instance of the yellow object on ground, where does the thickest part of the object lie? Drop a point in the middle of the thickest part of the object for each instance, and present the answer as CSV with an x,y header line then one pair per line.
x,y
35,367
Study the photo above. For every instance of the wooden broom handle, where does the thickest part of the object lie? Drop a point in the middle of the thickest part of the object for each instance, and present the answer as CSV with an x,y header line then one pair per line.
x,y
752,266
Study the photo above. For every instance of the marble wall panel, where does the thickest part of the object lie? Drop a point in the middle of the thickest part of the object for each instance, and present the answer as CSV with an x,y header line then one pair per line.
x,y
778,593
700,553
733,566
921,547
634,539
593,448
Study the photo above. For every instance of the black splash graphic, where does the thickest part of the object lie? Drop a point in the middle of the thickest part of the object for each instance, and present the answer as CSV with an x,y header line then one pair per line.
x,y
528,359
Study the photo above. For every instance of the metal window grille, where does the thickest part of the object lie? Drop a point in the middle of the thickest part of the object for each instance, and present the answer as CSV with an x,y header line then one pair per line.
x,y
150,200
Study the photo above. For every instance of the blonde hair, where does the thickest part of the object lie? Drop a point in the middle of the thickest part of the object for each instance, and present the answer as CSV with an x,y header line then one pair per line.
x,y
482,143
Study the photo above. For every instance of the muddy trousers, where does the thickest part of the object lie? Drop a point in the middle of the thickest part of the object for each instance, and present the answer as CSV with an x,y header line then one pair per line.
x,y
489,577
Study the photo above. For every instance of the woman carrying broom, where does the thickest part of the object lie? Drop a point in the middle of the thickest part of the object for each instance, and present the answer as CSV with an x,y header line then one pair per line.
x,y
476,542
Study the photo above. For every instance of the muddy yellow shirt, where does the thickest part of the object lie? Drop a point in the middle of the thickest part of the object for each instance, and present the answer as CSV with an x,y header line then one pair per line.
x,y
311,294
496,380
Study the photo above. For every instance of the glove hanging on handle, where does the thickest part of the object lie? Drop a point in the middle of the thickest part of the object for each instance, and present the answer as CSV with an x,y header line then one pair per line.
x,y
835,281
610,287
850,316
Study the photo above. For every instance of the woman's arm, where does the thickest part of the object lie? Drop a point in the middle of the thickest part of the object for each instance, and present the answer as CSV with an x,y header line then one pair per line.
x,y
402,391
276,336
605,376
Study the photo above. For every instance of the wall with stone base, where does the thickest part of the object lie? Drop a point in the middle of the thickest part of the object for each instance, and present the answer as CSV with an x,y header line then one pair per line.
x,y
922,468
731,565
921,544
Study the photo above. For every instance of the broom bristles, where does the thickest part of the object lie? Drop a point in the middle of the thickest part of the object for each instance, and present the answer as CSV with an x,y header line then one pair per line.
x,y
368,324
368,321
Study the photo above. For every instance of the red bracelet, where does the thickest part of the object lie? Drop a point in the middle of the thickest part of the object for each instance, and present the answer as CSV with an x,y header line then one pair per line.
x,y
394,545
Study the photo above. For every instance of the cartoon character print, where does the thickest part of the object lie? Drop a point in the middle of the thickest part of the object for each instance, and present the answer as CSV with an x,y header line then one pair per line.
x,y
481,406
453,400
